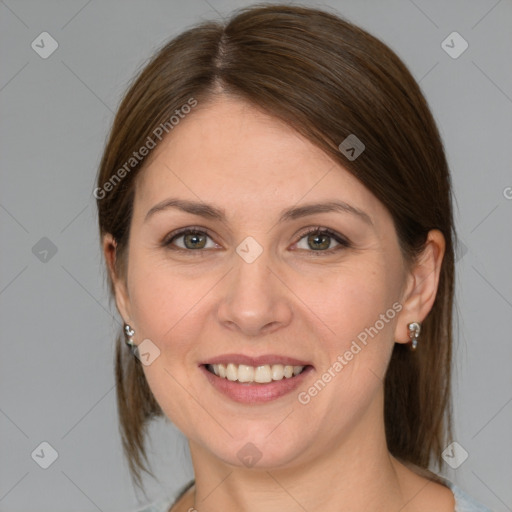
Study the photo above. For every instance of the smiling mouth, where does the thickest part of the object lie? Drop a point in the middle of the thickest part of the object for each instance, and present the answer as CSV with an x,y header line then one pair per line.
x,y
263,374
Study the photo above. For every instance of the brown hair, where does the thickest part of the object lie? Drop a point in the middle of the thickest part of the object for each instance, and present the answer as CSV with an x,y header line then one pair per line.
x,y
327,79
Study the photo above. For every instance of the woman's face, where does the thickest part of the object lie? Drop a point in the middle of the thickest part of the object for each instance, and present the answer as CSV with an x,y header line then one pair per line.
x,y
252,282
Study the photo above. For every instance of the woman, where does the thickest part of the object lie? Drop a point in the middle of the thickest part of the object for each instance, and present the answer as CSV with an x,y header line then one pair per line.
x,y
275,212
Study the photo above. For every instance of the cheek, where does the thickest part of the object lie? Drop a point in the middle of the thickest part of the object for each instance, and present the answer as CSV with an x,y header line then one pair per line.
x,y
168,310
356,313
163,302
350,302
356,310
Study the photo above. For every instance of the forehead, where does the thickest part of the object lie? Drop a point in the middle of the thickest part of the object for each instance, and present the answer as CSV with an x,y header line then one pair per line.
x,y
230,153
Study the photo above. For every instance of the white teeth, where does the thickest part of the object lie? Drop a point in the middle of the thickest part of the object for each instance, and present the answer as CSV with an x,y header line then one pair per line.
x,y
261,374
231,372
277,371
297,369
245,373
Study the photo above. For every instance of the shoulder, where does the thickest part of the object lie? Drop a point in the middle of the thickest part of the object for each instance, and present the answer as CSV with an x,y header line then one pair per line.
x,y
183,500
463,501
159,506
441,493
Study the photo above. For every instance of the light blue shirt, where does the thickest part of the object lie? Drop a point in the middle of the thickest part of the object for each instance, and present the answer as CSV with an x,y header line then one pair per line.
x,y
463,502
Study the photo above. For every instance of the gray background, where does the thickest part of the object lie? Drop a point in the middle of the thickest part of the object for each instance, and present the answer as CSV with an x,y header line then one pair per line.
x,y
57,325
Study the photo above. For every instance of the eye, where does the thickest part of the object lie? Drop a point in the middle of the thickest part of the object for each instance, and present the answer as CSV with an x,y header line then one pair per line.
x,y
317,239
320,239
192,239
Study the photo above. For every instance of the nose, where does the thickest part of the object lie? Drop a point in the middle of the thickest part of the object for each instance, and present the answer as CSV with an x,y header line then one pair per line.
x,y
255,300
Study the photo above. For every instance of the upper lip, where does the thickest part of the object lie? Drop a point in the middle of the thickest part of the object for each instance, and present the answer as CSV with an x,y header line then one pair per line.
x,y
256,361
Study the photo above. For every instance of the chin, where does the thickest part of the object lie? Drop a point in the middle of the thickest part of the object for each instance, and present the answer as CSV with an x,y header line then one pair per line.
x,y
259,451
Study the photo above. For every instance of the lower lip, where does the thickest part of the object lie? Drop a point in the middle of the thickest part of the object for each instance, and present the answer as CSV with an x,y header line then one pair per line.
x,y
250,393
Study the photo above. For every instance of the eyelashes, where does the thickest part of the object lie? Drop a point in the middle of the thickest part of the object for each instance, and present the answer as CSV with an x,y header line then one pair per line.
x,y
318,235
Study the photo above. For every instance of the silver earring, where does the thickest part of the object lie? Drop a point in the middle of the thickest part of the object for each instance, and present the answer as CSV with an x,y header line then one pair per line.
x,y
414,334
129,332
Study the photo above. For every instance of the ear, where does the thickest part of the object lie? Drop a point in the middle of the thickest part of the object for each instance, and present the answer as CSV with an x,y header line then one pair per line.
x,y
119,282
421,285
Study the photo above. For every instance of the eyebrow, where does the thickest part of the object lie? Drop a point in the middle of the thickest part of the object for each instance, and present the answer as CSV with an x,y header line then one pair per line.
x,y
212,212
